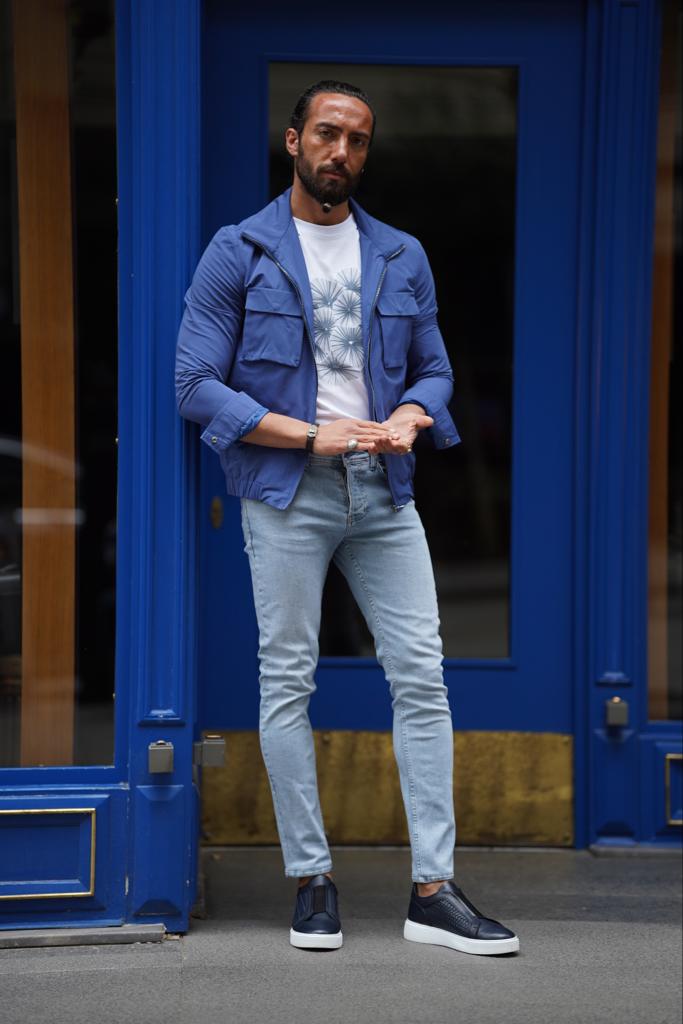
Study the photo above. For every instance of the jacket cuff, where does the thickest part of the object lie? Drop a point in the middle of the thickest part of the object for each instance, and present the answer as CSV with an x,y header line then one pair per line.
x,y
443,431
236,418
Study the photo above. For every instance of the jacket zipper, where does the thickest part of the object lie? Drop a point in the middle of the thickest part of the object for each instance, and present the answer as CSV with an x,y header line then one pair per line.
x,y
301,302
308,333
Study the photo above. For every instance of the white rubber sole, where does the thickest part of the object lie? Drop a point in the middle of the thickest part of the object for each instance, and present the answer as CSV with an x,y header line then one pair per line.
x,y
314,940
440,937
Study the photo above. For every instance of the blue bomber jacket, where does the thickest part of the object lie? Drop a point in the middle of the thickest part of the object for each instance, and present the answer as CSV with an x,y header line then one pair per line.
x,y
245,346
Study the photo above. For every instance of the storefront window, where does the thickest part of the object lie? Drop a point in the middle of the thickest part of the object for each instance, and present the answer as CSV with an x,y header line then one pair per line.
x,y
443,167
665,592
58,386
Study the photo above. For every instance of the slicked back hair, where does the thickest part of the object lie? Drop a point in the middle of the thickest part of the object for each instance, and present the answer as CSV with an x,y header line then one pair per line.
x,y
300,112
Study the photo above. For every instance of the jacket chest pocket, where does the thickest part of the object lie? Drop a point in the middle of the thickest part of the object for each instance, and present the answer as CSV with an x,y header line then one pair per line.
x,y
273,327
396,312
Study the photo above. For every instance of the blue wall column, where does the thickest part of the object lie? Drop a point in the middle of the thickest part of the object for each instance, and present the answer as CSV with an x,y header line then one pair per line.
x,y
626,39
158,117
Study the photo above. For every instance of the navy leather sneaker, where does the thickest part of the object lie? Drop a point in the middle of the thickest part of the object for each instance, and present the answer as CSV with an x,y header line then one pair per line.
x,y
447,918
316,923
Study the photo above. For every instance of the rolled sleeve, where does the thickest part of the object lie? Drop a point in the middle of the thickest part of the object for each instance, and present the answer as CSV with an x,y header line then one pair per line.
x,y
237,417
206,346
443,431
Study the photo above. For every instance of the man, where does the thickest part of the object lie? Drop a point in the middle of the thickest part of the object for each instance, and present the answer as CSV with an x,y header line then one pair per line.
x,y
309,350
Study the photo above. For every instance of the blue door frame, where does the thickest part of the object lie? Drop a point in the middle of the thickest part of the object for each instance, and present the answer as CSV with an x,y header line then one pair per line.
x,y
141,855
628,786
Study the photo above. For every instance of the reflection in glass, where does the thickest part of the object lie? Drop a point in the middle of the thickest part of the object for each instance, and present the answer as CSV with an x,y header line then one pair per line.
x,y
665,585
58,335
442,167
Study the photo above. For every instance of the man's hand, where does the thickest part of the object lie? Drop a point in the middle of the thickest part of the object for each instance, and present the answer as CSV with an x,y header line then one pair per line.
x,y
394,437
372,437
406,421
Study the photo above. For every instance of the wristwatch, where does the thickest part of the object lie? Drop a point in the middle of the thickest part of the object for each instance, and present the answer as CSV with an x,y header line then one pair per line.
x,y
310,436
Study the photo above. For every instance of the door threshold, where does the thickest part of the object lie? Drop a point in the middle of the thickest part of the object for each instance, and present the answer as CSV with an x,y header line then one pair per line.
x,y
631,849
20,938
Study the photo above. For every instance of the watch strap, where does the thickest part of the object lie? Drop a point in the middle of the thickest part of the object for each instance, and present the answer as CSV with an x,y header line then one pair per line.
x,y
310,436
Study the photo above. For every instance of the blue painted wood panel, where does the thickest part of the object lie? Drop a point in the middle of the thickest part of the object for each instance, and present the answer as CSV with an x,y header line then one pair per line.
x,y
61,847
159,876
660,761
47,851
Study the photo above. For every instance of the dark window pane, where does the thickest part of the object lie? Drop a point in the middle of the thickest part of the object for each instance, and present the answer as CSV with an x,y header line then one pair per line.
x,y
442,166
665,590
58,386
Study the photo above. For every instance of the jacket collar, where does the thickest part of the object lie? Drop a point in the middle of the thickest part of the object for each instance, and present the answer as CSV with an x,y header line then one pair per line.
x,y
271,227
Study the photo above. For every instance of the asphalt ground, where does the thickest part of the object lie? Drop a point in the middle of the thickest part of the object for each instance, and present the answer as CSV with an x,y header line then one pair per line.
x,y
600,940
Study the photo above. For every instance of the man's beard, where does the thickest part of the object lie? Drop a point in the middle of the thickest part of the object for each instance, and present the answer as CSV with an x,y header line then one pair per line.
x,y
327,190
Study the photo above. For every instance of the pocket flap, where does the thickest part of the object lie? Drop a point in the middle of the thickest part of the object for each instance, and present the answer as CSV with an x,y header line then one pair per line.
x,y
273,300
397,304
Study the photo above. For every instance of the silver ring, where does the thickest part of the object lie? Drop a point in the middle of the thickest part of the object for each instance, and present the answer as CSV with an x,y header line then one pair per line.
x,y
352,443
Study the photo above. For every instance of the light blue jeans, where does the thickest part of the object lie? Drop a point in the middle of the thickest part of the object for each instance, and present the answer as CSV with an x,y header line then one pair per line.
x,y
342,511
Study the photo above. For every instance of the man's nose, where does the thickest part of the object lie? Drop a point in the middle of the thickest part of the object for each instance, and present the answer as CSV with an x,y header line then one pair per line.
x,y
341,150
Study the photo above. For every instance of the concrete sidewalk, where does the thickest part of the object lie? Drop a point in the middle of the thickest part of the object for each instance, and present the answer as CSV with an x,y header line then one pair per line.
x,y
600,941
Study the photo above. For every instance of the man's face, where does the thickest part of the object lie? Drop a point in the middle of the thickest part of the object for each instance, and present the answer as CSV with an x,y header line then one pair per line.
x,y
332,148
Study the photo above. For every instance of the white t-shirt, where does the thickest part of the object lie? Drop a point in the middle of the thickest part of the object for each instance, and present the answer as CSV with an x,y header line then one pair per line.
x,y
332,254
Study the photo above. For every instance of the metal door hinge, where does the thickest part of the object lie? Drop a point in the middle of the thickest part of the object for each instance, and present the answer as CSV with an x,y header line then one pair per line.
x,y
210,751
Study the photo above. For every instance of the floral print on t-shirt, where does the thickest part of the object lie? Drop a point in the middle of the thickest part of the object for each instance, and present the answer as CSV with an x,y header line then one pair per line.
x,y
338,339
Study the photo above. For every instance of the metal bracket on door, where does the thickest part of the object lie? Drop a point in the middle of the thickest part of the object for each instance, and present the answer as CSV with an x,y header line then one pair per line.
x,y
160,757
616,712
210,751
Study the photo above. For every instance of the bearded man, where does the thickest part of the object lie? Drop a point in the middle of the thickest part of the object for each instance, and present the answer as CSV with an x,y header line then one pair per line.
x,y
309,351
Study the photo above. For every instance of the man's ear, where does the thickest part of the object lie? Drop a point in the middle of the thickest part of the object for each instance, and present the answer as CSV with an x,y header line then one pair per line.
x,y
292,141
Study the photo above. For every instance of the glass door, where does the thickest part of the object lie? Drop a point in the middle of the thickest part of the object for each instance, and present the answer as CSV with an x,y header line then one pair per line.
x,y
665,495
98,794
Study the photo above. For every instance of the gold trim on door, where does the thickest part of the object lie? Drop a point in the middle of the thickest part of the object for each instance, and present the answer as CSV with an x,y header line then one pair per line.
x,y
668,758
93,842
